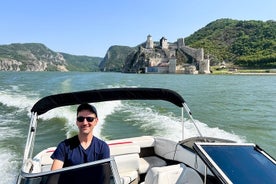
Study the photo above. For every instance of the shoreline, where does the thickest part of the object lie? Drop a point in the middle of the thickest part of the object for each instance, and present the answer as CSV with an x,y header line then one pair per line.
x,y
254,73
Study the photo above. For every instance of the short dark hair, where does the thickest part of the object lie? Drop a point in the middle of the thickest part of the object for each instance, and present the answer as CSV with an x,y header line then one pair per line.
x,y
88,107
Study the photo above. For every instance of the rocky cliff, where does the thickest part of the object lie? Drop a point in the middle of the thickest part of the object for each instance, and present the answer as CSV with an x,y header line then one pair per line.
x,y
37,57
115,58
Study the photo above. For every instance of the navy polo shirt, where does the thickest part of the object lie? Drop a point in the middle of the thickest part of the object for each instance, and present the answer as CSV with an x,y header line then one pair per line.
x,y
72,153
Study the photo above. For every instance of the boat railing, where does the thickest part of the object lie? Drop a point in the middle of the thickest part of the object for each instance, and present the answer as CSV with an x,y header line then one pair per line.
x,y
187,109
31,138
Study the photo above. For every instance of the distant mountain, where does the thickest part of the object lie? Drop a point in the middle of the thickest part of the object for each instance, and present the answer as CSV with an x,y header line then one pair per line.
x,y
248,44
37,57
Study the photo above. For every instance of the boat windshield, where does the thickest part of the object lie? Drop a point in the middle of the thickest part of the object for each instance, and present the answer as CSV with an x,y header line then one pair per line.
x,y
238,163
101,172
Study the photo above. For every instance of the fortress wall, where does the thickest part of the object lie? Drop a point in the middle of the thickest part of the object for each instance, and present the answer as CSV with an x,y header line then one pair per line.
x,y
198,54
173,46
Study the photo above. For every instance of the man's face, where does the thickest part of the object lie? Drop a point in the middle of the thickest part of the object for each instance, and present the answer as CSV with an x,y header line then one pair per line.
x,y
86,121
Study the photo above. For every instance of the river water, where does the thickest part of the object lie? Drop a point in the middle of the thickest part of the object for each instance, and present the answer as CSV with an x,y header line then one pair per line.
x,y
237,107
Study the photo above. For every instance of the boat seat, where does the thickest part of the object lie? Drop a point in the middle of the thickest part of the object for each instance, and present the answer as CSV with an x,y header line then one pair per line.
x,y
126,156
173,174
127,166
162,148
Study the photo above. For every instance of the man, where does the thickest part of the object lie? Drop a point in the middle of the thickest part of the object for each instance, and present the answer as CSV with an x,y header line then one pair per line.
x,y
84,147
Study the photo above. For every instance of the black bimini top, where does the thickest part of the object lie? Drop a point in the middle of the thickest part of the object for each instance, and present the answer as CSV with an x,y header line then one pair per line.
x,y
99,95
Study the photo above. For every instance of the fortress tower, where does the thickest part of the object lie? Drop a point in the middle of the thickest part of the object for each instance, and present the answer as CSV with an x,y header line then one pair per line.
x,y
180,42
164,43
149,43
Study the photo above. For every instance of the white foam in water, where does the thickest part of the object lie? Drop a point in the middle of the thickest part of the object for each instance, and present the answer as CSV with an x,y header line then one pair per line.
x,y
169,126
62,112
8,162
16,100
104,109
8,166
210,132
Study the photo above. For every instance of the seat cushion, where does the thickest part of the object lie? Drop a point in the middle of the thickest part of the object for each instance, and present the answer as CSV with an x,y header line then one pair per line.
x,y
173,174
163,175
126,163
146,163
127,166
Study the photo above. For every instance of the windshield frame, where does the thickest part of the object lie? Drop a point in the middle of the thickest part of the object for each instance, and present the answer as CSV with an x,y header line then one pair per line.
x,y
27,177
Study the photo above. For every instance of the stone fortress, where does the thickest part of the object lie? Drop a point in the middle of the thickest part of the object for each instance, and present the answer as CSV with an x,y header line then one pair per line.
x,y
167,62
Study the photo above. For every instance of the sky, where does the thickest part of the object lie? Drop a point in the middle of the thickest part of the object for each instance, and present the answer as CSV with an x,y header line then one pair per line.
x,y
90,27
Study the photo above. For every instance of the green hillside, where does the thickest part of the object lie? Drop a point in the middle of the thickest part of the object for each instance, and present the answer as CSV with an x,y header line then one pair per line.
x,y
82,63
250,44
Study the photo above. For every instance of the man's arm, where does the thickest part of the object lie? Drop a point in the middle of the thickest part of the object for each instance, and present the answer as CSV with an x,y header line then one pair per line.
x,y
57,164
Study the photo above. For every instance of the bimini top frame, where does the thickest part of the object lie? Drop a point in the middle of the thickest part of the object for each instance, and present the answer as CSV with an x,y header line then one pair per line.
x,y
99,95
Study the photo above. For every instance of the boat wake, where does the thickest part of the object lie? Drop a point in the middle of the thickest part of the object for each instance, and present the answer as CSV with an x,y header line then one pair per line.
x,y
169,124
12,105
